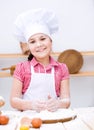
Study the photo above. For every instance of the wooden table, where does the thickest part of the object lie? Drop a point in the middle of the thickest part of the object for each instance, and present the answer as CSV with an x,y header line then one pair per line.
x,y
83,121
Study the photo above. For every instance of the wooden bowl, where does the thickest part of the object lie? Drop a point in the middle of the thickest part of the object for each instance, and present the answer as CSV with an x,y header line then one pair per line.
x,y
73,59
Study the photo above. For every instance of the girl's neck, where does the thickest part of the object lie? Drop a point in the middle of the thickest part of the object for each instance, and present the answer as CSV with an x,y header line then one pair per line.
x,y
44,61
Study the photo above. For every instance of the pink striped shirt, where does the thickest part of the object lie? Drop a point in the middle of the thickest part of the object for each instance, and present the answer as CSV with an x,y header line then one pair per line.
x,y
24,74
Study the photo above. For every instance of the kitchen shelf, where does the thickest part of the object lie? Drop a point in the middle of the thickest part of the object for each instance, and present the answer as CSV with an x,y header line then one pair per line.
x,y
55,54
19,55
83,74
15,55
7,74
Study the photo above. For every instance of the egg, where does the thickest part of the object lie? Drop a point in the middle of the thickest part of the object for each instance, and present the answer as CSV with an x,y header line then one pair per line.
x,y
2,101
36,122
24,127
4,120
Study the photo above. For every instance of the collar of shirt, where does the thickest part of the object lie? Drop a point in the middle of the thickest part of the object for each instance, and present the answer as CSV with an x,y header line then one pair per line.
x,y
34,62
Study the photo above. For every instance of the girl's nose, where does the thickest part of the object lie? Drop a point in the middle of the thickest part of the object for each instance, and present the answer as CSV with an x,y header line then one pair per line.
x,y
38,44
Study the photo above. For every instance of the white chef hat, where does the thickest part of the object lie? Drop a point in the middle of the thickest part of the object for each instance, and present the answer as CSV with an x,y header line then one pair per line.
x,y
33,22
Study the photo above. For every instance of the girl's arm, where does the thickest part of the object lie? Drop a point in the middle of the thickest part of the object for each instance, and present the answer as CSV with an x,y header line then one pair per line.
x,y
65,93
16,100
63,101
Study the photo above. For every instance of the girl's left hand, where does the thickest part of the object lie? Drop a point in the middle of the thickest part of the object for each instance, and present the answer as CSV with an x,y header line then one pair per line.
x,y
52,104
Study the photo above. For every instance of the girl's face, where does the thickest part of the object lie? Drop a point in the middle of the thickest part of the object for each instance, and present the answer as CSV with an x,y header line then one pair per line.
x,y
40,45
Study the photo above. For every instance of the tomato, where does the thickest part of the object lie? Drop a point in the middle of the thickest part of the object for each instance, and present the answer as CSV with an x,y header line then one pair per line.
x,y
4,120
24,127
36,122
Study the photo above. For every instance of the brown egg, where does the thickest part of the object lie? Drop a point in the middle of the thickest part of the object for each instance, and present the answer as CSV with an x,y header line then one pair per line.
x,y
4,120
36,122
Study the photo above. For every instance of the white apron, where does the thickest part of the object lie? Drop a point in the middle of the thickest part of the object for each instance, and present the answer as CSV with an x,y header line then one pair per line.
x,y
41,85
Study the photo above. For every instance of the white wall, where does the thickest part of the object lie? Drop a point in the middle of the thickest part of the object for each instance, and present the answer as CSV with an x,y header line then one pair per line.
x,y
76,19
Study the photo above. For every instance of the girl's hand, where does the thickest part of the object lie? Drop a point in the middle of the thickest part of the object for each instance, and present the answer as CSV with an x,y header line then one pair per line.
x,y
38,105
52,104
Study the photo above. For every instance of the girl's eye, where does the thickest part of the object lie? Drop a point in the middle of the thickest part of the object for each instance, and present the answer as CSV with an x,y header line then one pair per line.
x,y
32,42
43,39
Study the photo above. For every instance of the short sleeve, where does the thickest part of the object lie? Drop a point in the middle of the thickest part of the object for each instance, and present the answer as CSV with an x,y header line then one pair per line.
x,y
19,72
64,71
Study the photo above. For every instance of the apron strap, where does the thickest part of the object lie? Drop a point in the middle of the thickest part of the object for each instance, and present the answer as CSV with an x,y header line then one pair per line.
x,y
52,71
32,69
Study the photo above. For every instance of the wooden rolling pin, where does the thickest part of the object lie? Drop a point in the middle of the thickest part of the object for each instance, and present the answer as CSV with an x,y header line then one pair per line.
x,y
28,121
59,120
12,68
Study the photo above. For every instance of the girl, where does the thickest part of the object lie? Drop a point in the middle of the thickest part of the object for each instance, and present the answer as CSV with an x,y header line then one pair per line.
x,y
41,82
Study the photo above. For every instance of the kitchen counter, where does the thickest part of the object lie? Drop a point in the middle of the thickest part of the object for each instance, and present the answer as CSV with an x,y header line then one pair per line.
x,y
82,119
